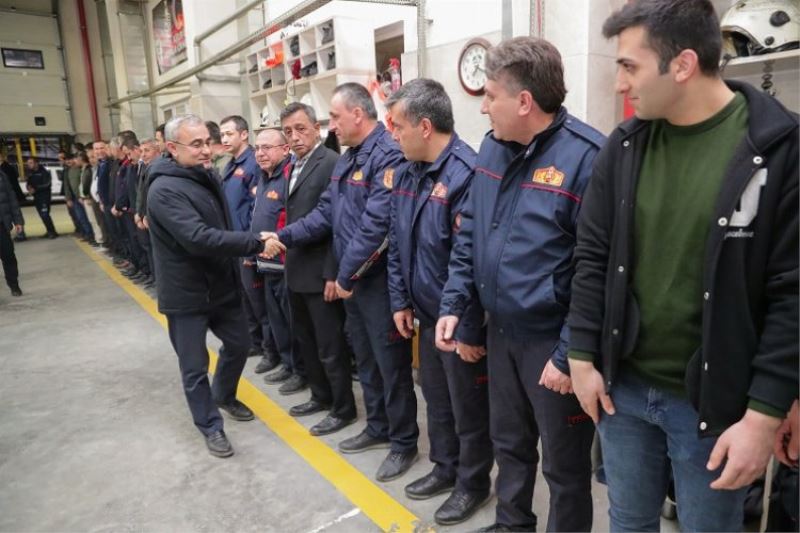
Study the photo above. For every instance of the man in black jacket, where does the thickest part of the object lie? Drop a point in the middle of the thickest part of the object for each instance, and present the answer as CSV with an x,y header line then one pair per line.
x,y
40,184
197,277
10,217
684,303
318,314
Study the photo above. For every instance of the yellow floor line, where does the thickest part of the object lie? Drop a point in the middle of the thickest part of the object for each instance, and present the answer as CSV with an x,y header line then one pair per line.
x,y
385,511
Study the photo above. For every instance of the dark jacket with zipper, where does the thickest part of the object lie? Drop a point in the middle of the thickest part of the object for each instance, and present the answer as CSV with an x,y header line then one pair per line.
x,y
749,344
515,248
269,210
193,243
10,213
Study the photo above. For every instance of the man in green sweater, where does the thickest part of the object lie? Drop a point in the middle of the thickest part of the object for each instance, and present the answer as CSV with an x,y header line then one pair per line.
x,y
684,311
72,187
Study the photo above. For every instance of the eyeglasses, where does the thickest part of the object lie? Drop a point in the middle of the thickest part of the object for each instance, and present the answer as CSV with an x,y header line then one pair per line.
x,y
195,145
266,147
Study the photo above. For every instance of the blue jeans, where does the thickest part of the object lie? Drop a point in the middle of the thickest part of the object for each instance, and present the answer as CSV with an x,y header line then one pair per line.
x,y
652,433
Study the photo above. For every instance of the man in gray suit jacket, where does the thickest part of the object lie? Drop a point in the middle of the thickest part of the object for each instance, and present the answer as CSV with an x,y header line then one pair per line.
x,y
317,314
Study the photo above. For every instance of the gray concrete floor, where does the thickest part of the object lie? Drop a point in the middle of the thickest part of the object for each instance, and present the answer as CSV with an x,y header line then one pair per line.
x,y
95,434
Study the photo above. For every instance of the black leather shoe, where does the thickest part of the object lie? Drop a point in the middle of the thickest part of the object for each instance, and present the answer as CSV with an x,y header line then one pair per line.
x,y
16,291
237,410
266,364
428,487
361,443
218,444
308,408
293,385
459,507
280,376
254,352
330,424
395,465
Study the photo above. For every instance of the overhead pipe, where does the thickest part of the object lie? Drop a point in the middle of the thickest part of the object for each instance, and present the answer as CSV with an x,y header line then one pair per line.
x,y
221,24
273,26
87,63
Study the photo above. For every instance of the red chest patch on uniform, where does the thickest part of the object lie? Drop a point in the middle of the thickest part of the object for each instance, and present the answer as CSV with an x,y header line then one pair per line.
x,y
548,176
238,172
439,191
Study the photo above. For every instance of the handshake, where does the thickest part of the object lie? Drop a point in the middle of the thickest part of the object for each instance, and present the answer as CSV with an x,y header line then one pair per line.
x,y
272,245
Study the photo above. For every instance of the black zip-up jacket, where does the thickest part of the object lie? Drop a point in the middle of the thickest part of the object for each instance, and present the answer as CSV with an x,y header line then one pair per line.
x,y
193,243
750,278
10,213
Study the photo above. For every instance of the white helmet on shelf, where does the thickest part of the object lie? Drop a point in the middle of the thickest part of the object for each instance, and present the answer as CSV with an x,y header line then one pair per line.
x,y
754,27
265,116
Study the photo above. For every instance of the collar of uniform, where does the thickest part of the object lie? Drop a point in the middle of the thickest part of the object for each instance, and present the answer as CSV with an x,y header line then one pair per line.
x,y
542,136
279,171
437,165
239,160
362,151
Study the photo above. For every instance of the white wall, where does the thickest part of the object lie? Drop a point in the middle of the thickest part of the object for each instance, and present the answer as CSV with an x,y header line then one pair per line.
x,y
76,70
29,93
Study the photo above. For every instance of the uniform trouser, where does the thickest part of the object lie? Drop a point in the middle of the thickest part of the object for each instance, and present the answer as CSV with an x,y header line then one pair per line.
x,y
318,338
135,250
143,237
521,413
457,397
8,257
255,309
383,358
42,203
276,305
187,332
82,217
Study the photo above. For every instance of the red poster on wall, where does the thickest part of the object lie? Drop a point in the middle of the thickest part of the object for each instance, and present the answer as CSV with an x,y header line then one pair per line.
x,y
169,34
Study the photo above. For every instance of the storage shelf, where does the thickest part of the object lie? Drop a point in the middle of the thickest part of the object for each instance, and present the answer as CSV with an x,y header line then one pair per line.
x,y
352,43
754,65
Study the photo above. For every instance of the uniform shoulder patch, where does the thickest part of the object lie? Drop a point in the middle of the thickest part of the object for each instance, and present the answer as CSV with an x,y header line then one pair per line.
x,y
548,176
388,178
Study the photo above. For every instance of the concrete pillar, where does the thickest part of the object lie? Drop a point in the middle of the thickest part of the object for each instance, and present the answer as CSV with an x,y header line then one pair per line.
x,y
574,27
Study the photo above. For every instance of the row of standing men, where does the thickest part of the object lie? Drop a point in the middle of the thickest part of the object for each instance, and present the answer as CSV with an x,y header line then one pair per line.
x,y
411,225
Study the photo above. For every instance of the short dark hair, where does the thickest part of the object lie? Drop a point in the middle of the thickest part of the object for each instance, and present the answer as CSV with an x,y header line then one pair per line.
x,y
529,64
356,95
239,122
83,156
160,129
130,144
673,26
125,135
294,107
213,132
425,98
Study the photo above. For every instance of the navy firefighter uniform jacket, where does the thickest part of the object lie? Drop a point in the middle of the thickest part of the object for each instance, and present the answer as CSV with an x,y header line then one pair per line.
x,y
427,201
238,183
515,247
269,210
355,207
